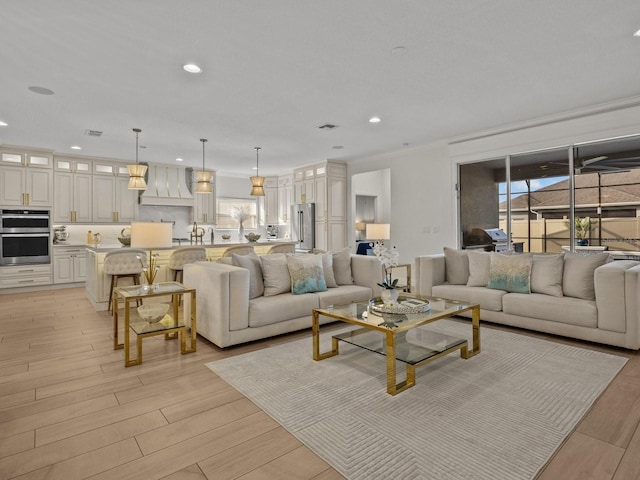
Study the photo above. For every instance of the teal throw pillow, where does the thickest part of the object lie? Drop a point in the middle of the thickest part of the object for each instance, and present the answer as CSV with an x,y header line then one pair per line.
x,y
511,273
306,273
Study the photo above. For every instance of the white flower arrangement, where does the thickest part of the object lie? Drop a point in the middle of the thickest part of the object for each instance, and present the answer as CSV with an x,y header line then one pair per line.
x,y
388,258
240,213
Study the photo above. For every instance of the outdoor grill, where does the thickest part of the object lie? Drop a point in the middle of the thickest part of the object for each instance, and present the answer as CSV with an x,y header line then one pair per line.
x,y
490,239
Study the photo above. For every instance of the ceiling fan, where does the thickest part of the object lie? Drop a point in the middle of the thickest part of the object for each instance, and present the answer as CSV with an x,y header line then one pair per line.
x,y
603,163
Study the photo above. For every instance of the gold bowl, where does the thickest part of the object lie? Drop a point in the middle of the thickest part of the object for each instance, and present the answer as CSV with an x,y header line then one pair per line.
x,y
126,241
153,312
252,237
226,236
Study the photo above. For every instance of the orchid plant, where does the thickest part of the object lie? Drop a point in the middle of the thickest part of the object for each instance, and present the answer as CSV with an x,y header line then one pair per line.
x,y
389,259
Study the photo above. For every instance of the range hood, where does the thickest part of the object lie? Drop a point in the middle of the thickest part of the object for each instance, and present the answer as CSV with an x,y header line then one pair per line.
x,y
166,185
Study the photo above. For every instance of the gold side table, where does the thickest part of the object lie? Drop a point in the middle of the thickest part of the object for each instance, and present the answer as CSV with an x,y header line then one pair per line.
x,y
171,327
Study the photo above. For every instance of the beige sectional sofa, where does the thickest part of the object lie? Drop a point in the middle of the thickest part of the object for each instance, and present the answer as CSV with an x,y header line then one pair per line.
x,y
233,308
584,296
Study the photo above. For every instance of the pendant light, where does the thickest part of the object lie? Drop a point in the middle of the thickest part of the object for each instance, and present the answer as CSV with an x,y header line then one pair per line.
x,y
203,178
257,182
137,171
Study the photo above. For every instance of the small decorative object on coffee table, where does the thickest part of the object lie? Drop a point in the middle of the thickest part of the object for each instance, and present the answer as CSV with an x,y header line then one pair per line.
x,y
252,237
153,312
389,259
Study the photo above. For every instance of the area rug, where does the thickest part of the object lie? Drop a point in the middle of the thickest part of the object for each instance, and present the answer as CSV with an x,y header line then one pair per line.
x,y
499,415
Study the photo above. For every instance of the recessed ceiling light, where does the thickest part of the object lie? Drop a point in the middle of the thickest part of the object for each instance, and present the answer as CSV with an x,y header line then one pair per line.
x,y
76,147
636,33
374,120
4,124
179,159
41,90
191,68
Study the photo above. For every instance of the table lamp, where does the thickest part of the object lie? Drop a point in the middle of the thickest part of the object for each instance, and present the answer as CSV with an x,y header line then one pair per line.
x,y
378,232
150,235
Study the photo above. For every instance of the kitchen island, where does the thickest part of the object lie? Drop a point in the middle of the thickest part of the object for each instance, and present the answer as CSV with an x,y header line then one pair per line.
x,y
98,283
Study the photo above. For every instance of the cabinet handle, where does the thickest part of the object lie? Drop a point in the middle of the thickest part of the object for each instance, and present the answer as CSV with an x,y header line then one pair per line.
x,y
117,216
25,271
27,199
25,281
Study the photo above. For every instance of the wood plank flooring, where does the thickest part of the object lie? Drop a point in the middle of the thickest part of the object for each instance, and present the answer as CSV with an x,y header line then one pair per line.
x,y
69,409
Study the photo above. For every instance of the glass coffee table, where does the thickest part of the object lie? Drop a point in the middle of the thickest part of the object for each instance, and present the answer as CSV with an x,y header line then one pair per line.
x,y
396,335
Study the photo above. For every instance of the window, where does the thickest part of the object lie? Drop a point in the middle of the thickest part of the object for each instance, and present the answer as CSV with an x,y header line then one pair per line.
x,y
229,208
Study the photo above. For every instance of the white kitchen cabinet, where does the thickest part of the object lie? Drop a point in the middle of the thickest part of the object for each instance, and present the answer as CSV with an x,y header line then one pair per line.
x,y
325,185
285,198
271,201
73,200
25,276
69,264
26,179
113,202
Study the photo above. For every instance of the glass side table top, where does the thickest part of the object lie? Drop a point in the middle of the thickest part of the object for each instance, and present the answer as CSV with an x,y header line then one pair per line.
x,y
165,288
440,308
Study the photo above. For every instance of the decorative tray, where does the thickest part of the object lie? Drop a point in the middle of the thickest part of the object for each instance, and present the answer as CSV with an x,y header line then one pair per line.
x,y
405,305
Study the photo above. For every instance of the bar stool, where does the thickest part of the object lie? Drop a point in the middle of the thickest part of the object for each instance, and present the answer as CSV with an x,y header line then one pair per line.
x,y
281,248
124,263
239,249
184,255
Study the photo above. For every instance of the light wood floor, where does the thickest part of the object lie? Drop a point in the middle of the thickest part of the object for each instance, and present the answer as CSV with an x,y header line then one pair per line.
x,y
69,409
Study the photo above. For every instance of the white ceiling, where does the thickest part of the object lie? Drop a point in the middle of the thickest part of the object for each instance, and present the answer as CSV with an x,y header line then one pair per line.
x,y
274,71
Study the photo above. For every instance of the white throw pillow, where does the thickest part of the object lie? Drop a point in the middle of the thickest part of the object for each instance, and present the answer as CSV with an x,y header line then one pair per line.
x,y
456,266
342,266
252,263
479,263
546,274
327,268
306,273
577,275
275,274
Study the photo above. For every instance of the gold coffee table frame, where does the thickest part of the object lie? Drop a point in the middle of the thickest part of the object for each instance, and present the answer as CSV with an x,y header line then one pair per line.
x,y
139,292
350,314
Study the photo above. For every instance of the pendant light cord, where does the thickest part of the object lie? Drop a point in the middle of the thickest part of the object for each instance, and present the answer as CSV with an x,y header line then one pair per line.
x,y
257,171
137,130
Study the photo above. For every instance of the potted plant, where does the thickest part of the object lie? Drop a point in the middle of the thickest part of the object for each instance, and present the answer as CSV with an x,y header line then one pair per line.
x,y
582,228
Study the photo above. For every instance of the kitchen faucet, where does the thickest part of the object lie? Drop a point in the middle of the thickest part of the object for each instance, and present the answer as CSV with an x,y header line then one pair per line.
x,y
197,232
211,230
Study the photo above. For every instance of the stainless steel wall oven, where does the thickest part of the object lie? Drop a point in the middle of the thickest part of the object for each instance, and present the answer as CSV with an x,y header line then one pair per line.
x,y
24,237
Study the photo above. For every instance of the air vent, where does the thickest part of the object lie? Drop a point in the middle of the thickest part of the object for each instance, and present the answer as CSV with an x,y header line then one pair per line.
x,y
93,133
328,126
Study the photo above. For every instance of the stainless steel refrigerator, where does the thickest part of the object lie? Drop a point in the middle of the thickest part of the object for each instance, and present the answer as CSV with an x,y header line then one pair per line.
x,y
303,226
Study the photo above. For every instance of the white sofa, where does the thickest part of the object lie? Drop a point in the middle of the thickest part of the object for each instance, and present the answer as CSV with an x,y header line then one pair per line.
x,y
228,316
600,304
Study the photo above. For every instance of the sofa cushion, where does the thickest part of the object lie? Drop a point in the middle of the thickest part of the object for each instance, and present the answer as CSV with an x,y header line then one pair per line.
x,y
511,273
487,298
342,266
479,263
456,266
577,275
327,268
275,274
344,295
568,310
546,274
306,274
280,308
252,263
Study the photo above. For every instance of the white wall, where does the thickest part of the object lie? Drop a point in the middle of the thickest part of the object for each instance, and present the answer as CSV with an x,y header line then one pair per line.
x,y
423,207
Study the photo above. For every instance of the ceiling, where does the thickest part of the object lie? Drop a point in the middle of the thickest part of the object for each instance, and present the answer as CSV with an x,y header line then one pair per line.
x,y
273,72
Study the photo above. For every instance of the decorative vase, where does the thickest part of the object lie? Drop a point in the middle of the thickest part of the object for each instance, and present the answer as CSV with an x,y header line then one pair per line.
x,y
390,296
582,242
241,233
